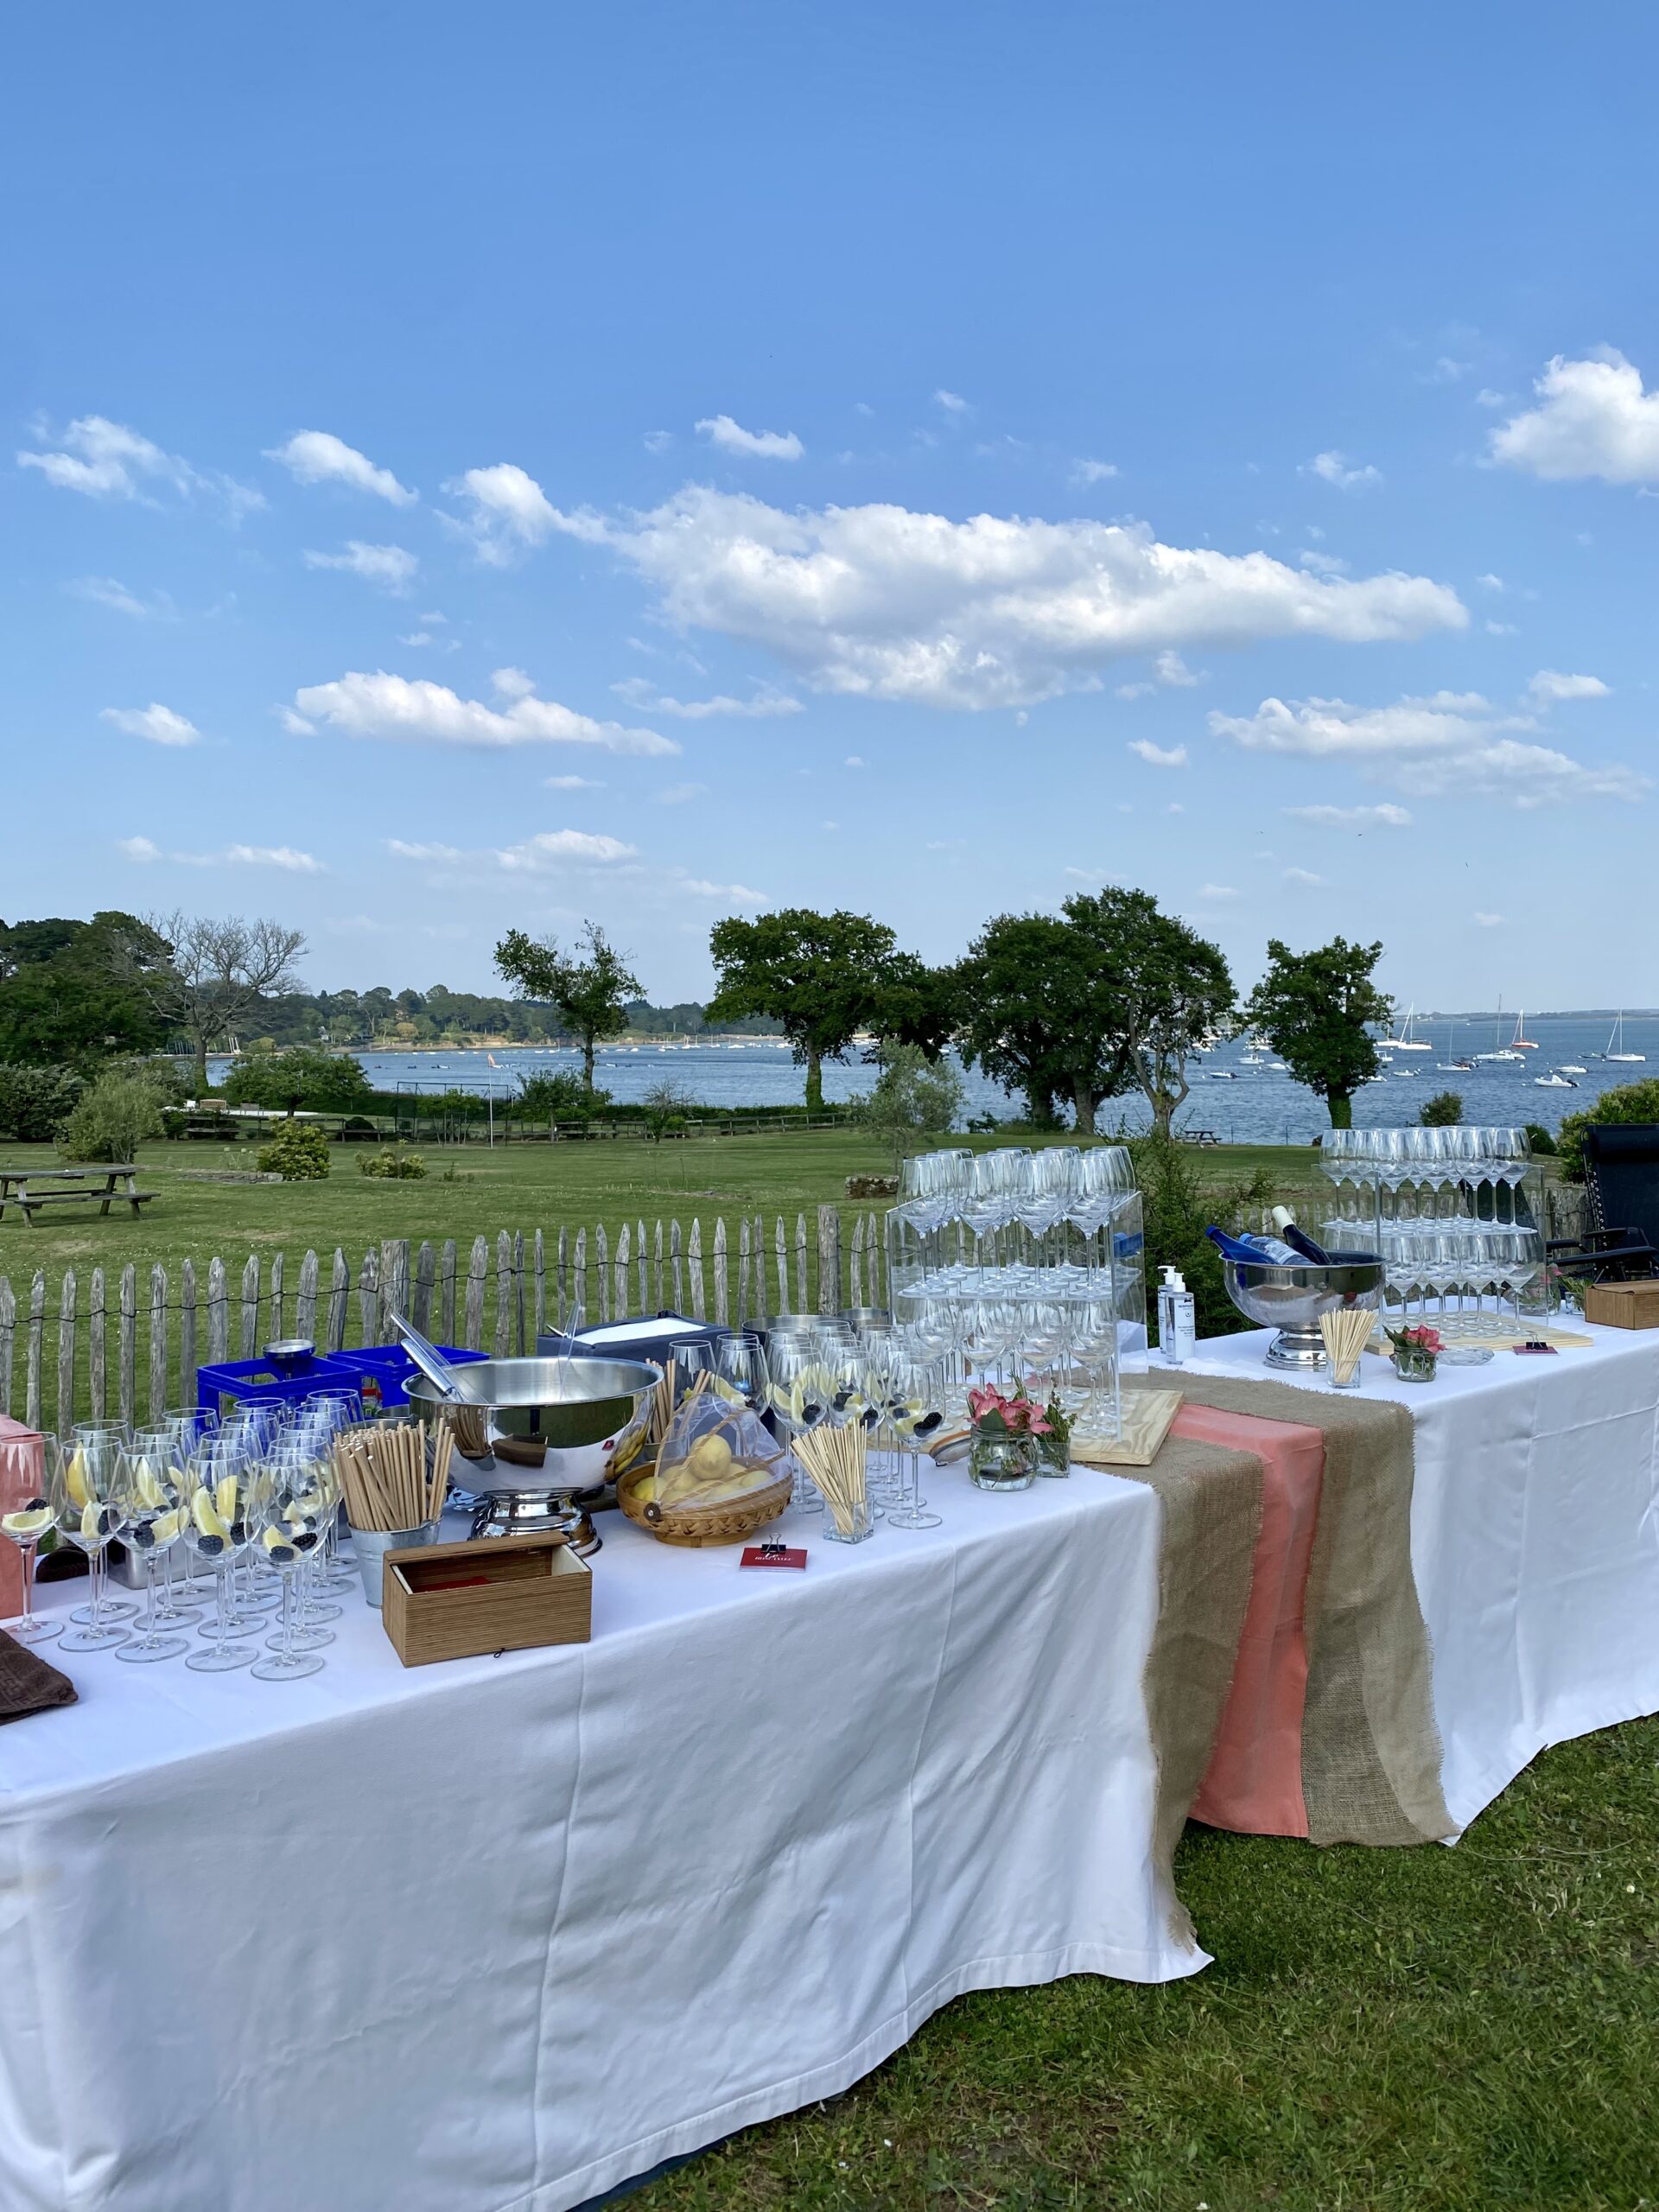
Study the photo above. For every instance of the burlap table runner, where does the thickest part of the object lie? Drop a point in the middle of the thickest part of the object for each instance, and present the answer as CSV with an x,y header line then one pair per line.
x,y
1211,1501
27,1683
1370,1748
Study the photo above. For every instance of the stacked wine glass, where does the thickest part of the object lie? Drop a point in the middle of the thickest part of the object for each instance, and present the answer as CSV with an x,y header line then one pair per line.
x,y
1029,1266
1455,1214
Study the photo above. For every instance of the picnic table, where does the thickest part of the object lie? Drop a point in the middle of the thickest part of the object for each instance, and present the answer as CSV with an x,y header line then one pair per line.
x,y
19,1187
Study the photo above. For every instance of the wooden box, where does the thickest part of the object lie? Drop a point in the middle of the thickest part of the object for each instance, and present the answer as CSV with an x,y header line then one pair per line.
x,y
499,1594
1623,1305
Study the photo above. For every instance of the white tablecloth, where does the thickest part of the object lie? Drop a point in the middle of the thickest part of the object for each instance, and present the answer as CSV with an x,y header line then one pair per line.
x,y
503,1932
1535,1543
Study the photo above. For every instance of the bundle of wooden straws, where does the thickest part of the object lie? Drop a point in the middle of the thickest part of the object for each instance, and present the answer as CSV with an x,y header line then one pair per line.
x,y
1346,1332
385,1474
836,1459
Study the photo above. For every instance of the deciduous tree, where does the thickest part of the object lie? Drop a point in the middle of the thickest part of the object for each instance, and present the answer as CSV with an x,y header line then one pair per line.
x,y
821,976
1317,1009
590,986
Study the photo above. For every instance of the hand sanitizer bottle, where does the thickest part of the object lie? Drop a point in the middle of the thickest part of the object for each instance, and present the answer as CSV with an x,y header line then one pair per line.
x,y
1177,1323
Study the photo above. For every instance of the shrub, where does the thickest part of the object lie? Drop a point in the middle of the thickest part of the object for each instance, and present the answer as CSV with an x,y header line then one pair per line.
x,y
35,1103
1443,1111
298,1152
1179,1207
318,1082
1541,1140
556,1096
111,1119
393,1165
914,1099
665,1106
1630,1102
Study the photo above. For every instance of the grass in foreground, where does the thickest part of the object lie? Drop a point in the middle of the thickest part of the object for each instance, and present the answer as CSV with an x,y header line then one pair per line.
x,y
1425,2031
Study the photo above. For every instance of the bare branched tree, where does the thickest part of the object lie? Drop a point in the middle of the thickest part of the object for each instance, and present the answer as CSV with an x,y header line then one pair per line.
x,y
216,973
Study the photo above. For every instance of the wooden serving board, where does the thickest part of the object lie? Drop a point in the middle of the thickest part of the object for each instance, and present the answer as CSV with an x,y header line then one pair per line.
x,y
1148,1416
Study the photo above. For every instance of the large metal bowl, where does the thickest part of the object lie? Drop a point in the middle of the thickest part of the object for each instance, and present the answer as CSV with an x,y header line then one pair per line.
x,y
1292,1299
529,1427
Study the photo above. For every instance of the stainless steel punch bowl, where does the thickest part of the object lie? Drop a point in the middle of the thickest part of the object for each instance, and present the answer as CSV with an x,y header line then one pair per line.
x,y
1292,1299
526,1427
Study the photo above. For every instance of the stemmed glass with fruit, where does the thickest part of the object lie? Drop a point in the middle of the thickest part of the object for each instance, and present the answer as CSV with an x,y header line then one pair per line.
x,y
148,1489
218,1532
81,1490
25,1517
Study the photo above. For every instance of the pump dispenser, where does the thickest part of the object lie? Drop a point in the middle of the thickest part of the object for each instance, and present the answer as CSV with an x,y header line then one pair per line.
x,y
1176,1320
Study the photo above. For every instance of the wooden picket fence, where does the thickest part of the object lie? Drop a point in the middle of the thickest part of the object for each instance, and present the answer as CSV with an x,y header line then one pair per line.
x,y
497,1300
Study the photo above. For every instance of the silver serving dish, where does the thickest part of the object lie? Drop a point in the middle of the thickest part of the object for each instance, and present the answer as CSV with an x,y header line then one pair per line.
x,y
1292,1299
534,1435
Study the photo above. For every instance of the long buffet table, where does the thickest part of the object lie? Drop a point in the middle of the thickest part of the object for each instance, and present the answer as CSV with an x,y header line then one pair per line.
x,y
496,1936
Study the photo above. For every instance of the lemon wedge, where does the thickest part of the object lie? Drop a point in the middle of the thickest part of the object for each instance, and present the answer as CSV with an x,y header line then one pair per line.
x,y
225,1499
92,1522
166,1526
207,1515
74,1477
27,1526
148,1489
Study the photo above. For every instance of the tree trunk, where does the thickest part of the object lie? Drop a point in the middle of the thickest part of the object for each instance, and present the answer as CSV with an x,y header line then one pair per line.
x,y
1084,1100
587,1065
814,1081
1341,1103
201,1063
1163,1113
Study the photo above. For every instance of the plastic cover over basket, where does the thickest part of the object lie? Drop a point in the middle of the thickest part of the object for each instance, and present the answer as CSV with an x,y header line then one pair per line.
x,y
717,1451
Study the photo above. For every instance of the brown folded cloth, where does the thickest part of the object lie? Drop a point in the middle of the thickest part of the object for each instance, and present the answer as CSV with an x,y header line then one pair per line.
x,y
27,1683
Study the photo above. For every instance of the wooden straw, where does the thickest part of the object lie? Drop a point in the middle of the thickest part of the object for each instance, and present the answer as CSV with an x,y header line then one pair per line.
x,y
836,1459
1346,1332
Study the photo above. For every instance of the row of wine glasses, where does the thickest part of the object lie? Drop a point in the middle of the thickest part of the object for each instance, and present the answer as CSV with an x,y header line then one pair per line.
x,y
888,1379
988,1191
1431,1156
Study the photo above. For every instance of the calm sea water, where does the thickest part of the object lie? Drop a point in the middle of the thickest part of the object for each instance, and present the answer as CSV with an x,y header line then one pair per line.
x,y
1240,1103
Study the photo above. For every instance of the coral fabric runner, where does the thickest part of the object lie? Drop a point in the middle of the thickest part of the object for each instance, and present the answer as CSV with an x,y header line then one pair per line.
x,y
1211,1500
1253,1781
1371,1749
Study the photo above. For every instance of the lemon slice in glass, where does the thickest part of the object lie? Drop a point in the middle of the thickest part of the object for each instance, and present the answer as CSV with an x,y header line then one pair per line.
x,y
225,1499
74,1477
207,1515
149,1490
27,1526
92,1522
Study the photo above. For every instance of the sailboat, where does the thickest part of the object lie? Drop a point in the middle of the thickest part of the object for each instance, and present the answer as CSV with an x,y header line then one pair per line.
x,y
1454,1065
1615,1045
1501,1052
1521,1042
1405,1042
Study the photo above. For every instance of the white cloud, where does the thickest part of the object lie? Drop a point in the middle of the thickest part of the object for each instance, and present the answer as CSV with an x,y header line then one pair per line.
x,y
1502,629
1487,397
1093,471
1303,879
508,512
512,683
1447,370
157,723
759,445
1550,685
732,894
416,711
1334,469
1487,921
1451,744
1135,691
993,611
1154,755
288,858
1171,669
319,457
547,850
759,706
1321,564
1491,582
1385,817
573,783
388,566
658,440
110,591
107,461
1216,891
1594,419
682,794
952,401
854,760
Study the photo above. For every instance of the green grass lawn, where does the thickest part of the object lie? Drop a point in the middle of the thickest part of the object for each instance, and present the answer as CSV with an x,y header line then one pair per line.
x,y
1427,2030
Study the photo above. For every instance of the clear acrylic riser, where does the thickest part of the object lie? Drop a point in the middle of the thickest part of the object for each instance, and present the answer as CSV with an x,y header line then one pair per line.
x,y
1461,1238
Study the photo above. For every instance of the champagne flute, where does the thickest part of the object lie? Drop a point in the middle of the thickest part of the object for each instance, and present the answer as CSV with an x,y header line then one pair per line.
x,y
79,1488
153,1514
25,1517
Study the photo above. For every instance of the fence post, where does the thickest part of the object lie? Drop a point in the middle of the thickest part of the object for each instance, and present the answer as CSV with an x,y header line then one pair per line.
x,y
694,1256
621,1301
188,1327
743,1272
645,1272
855,1265
127,1356
339,1291
802,1302
657,1262
564,1277
541,1285
278,1273
219,1311
602,1268
157,1341
723,1276
250,1306
780,1255
478,1270
420,1305
94,1346
518,1291
758,1245
503,1293
674,1266
65,1420
368,1298
874,1247
447,1290
829,1259
8,1334
575,1314
36,1323
305,1300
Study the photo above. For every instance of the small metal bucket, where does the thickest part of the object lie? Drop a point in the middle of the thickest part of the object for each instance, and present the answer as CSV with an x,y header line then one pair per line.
x,y
371,1546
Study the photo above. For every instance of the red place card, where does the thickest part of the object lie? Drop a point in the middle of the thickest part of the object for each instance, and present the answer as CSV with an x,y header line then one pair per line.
x,y
771,1556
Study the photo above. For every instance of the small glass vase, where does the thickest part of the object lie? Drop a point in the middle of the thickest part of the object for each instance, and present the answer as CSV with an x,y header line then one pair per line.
x,y
1002,1462
1053,1455
1412,1364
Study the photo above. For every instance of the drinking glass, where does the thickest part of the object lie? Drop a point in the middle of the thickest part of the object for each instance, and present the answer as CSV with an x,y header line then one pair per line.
x,y
692,1357
315,1504
915,1412
80,1490
740,1362
149,1495
218,1532
99,1442
25,1517
285,1513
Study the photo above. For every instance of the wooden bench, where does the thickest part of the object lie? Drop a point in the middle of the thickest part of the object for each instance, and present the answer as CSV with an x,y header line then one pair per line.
x,y
120,1187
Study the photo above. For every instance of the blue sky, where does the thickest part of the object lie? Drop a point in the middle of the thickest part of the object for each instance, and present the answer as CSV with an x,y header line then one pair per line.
x,y
466,467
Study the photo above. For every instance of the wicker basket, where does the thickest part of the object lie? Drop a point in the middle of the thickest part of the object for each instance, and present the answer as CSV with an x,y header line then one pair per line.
x,y
694,1527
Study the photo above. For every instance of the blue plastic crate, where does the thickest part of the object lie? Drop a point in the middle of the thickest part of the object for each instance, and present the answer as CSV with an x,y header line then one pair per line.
x,y
392,1367
255,1382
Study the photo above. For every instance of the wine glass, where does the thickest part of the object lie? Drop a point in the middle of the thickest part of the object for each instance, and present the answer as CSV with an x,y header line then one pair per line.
x,y
284,1509
99,1442
149,1493
916,1410
81,1490
25,1517
740,1363
218,1532
316,1503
